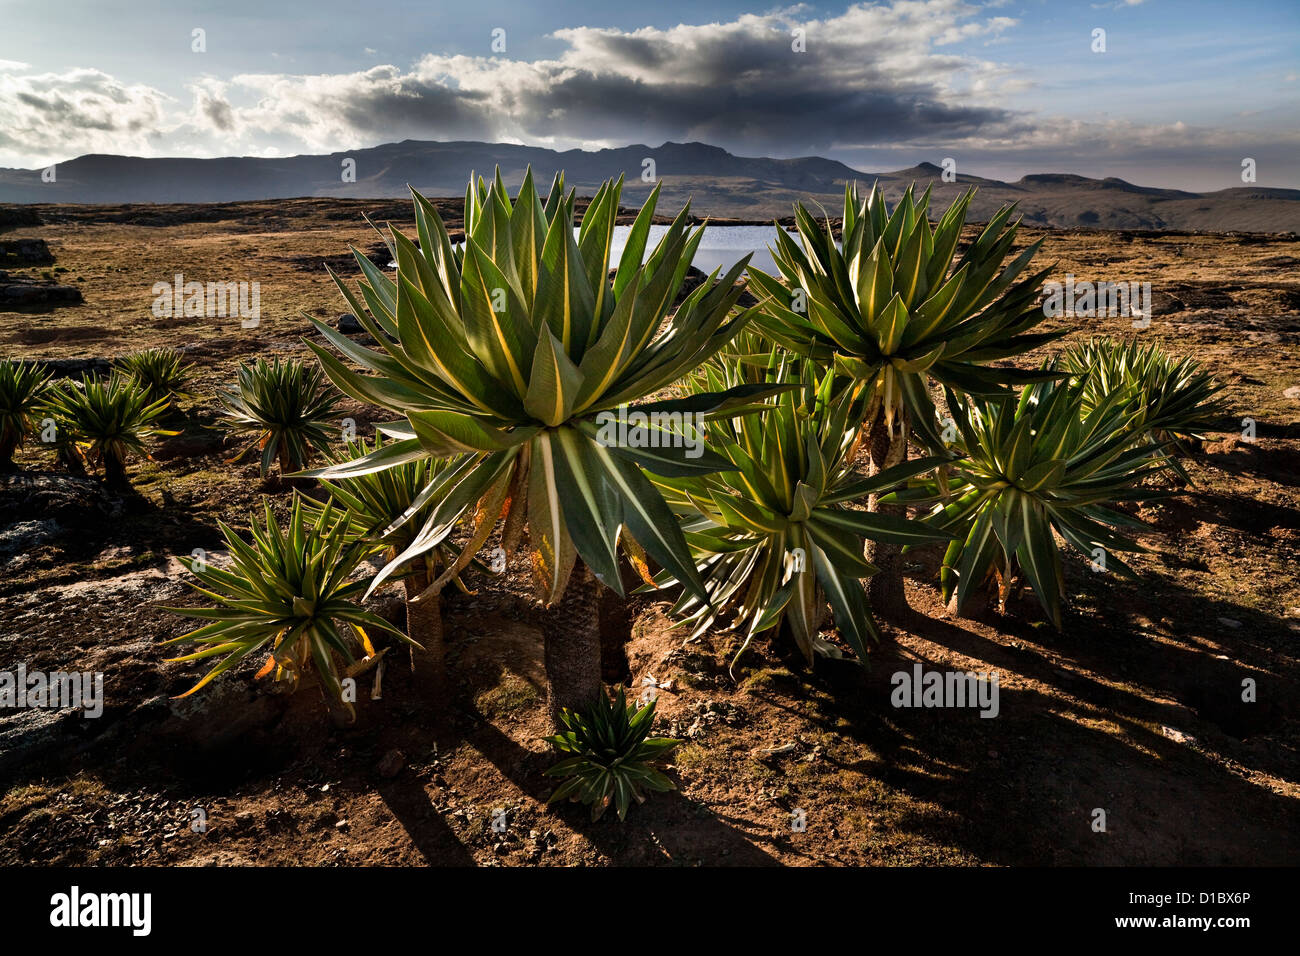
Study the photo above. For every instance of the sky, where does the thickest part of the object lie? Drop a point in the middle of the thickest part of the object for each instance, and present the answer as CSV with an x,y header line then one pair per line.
x,y
1182,93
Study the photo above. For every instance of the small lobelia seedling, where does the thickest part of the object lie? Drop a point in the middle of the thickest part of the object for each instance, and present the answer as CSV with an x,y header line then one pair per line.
x,y
610,750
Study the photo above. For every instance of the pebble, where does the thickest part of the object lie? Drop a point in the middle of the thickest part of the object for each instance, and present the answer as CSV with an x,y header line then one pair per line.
x,y
392,764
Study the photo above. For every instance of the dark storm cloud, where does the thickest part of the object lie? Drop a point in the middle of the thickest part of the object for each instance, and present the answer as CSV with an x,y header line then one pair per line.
x,y
771,117
771,83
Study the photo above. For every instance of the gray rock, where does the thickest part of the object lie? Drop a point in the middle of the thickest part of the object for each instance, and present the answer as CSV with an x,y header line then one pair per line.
x,y
18,291
24,536
27,734
67,499
221,713
25,252
76,367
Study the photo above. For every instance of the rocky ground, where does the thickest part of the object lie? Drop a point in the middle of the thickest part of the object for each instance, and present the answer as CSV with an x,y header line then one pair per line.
x,y
1135,708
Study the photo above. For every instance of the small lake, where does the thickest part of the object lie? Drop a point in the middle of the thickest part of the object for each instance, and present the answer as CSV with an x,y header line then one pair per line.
x,y
721,248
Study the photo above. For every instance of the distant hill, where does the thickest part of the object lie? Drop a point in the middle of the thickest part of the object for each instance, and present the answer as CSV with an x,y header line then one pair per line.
x,y
719,183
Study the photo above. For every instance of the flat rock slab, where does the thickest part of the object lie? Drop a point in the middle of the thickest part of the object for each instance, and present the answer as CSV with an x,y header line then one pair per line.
x,y
66,499
25,252
29,733
18,291
75,367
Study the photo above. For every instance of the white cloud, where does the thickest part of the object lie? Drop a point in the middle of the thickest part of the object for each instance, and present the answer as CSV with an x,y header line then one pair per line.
x,y
46,112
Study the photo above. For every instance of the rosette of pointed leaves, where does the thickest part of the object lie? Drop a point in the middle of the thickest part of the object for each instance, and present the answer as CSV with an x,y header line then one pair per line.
x,y
163,373
22,388
610,750
288,409
288,593
895,307
774,538
105,421
505,352
1033,466
1177,399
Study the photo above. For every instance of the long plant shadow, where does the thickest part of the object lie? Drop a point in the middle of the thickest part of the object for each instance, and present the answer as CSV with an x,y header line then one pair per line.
x,y
1022,789
409,803
669,830
1187,694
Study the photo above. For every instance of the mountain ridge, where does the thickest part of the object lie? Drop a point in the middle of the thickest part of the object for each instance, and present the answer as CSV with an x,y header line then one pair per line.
x,y
719,183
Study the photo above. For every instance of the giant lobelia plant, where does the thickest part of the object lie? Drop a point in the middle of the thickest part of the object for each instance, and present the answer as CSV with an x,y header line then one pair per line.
x,y
776,539
893,305
505,351
105,422
381,508
1177,398
1034,465
289,593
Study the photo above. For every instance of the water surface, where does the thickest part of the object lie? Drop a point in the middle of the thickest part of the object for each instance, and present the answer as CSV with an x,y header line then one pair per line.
x,y
721,248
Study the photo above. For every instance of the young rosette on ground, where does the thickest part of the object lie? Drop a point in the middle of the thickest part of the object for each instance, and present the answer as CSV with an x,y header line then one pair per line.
x,y
612,751
288,592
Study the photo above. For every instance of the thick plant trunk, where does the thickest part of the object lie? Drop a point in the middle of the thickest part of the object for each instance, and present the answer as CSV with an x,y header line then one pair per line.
x,y
115,472
286,467
424,626
885,588
8,445
571,630
69,459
